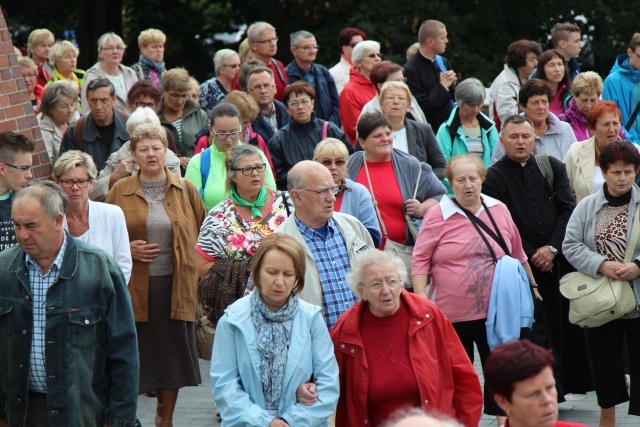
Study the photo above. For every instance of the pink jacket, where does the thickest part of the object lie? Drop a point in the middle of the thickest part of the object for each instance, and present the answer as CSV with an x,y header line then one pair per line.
x,y
447,380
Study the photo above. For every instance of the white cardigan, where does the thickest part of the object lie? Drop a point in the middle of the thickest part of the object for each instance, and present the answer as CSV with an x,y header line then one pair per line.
x,y
108,231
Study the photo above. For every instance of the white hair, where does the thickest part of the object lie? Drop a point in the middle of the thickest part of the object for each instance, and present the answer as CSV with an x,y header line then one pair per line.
x,y
362,48
142,115
374,257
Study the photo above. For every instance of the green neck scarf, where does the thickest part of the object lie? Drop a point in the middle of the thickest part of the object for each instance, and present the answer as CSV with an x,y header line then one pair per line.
x,y
255,212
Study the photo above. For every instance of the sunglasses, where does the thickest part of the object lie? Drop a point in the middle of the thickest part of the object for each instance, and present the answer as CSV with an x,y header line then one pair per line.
x,y
373,55
328,162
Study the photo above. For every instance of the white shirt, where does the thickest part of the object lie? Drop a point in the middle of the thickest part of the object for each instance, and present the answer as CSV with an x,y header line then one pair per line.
x,y
400,140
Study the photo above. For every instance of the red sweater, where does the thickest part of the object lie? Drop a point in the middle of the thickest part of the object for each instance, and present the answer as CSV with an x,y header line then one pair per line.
x,y
446,378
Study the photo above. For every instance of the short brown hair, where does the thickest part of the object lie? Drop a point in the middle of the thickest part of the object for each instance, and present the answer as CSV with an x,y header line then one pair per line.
x,y
298,88
176,79
587,82
12,144
150,131
151,35
257,70
429,29
533,87
517,53
286,244
561,31
369,122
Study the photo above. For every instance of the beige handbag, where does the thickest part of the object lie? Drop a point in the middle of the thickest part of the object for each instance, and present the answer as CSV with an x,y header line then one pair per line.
x,y
595,301
404,252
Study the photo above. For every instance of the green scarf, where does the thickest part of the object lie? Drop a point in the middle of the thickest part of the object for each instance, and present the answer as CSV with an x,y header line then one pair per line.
x,y
255,212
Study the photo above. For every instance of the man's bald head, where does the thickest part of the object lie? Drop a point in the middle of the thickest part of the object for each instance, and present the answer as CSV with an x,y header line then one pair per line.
x,y
305,172
311,188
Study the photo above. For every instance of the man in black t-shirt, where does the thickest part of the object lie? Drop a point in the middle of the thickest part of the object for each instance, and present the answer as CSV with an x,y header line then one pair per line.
x,y
16,153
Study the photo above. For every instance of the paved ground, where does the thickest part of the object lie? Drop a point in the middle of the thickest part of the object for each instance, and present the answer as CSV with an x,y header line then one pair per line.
x,y
196,407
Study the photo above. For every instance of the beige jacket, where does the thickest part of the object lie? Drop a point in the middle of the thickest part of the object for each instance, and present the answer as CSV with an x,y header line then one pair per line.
x,y
130,77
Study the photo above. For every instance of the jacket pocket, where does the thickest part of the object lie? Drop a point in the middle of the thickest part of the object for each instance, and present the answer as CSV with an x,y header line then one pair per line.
x,y
83,328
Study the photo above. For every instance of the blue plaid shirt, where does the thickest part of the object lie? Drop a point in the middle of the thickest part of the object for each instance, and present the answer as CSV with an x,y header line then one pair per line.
x,y
39,285
332,259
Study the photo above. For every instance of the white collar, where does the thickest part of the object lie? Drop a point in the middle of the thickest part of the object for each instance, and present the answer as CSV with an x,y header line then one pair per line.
x,y
449,208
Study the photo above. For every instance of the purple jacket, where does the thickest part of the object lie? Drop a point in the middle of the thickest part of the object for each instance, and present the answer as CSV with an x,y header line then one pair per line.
x,y
578,122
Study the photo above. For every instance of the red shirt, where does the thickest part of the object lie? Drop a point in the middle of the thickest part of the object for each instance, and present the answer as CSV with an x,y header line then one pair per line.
x,y
387,193
392,380
338,203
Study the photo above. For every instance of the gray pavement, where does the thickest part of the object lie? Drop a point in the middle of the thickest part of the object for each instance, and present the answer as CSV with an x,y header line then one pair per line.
x,y
196,407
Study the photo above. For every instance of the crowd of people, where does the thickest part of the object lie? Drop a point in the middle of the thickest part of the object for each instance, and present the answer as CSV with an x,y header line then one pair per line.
x,y
354,233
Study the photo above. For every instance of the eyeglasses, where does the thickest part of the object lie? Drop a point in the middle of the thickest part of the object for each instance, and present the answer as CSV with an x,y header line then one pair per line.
x,y
307,48
141,104
328,162
395,98
304,102
373,55
248,170
81,183
392,283
174,95
110,48
24,169
273,40
234,66
325,192
224,135
260,88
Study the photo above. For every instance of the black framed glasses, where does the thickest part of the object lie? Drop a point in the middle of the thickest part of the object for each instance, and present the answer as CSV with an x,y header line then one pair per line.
x,y
224,135
24,169
151,105
68,183
248,170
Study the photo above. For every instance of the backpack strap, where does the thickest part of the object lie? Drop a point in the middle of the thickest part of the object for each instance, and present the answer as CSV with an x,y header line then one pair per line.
x,y
139,71
545,167
278,70
325,129
77,132
632,118
205,164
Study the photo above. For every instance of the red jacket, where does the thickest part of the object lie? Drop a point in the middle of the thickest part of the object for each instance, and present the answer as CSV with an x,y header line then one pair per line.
x,y
447,380
355,94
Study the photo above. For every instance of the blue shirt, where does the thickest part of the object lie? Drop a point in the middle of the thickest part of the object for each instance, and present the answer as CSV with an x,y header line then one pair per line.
x,y
40,283
332,259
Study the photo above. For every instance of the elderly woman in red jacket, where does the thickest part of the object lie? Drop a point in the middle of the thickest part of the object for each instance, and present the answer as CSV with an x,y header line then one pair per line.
x,y
395,350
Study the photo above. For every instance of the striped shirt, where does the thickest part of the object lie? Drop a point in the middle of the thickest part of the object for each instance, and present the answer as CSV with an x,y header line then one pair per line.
x,y
40,283
329,251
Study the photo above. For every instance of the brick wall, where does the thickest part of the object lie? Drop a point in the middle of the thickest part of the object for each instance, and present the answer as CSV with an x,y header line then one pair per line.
x,y
16,113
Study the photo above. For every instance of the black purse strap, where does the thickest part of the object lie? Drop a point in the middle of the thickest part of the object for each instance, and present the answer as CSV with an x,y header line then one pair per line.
x,y
478,224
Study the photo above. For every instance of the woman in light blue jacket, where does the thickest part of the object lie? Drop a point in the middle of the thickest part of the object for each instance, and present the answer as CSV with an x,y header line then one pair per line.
x,y
270,343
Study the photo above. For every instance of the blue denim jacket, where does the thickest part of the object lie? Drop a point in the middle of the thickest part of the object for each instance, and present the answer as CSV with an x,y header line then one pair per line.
x,y
91,345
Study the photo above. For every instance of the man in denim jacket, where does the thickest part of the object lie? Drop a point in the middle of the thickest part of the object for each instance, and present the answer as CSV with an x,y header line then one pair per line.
x,y
69,349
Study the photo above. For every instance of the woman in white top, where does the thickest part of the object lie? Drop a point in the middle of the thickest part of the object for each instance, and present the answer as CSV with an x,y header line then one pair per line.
x,y
100,224
111,50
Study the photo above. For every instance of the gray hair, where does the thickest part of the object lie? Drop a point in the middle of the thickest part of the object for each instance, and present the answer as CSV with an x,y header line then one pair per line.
x,y
374,257
302,34
258,28
363,47
236,154
74,159
108,38
142,115
221,57
470,91
51,197
417,412
53,93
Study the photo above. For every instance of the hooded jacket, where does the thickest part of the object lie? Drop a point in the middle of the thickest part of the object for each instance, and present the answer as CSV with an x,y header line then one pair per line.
x,y
622,86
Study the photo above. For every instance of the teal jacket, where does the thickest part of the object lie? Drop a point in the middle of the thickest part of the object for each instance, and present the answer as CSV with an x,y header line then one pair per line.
x,y
452,140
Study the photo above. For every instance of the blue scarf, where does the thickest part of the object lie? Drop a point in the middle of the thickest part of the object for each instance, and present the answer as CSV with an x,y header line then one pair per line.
x,y
147,65
273,331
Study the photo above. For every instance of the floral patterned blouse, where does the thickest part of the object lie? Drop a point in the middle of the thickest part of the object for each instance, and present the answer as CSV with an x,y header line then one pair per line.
x,y
225,233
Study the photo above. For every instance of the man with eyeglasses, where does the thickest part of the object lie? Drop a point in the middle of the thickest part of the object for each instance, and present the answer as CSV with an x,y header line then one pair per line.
x,y
273,114
331,240
264,45
103,130
622,86
429,75
16,153
304,49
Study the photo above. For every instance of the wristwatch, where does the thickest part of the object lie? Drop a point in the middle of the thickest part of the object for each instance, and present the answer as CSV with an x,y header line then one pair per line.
x,y
554,250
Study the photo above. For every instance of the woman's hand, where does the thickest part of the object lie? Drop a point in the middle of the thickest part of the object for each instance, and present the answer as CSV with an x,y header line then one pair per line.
x,y
143,252
306,394
628,271
610,269
537,294
278,423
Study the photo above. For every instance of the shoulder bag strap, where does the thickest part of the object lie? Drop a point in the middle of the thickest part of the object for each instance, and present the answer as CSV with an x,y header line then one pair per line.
x,y
633,117
325,128
383,229
415,191
635,230
497,236
283,194
278,70
78,131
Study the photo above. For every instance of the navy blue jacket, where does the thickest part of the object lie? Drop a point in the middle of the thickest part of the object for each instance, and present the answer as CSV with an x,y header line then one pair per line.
x,y
263,129
326,98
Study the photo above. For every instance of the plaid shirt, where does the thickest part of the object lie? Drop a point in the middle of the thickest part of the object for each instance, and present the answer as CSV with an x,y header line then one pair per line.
x,y
39,285
332,259
270,118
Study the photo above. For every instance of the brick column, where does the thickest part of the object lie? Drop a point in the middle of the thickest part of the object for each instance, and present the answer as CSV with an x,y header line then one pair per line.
x,y
16,112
